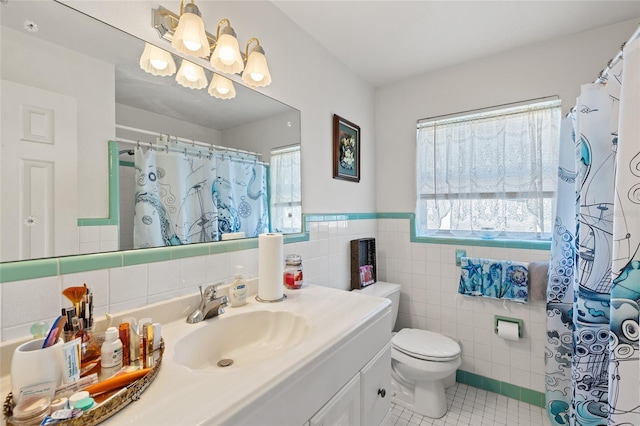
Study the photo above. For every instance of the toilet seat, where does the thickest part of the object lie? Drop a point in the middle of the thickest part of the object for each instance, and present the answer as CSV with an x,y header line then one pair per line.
x,y
425,345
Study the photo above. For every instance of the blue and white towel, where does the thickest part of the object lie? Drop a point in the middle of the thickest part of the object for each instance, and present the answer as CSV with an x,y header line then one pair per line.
x,y
499,279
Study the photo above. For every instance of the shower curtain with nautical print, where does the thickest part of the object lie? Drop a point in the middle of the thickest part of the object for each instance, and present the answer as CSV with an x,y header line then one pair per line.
x,y
592,354
184,199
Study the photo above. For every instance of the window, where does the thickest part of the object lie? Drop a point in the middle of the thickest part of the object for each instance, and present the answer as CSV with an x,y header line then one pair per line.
x,y
286,198
489,174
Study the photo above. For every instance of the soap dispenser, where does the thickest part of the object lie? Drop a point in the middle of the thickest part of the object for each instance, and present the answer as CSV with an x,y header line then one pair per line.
x,y
238,290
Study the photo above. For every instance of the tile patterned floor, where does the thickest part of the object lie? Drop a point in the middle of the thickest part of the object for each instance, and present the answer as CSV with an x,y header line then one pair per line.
x,y
475,407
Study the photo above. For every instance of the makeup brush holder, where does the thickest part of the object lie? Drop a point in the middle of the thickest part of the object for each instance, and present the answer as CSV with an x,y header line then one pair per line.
x,y
35,370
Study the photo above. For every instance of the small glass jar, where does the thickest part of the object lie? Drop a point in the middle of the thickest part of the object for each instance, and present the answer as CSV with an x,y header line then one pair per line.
x,y
293,271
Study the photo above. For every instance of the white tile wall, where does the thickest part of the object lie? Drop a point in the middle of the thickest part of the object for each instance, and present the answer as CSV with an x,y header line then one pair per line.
x,y
94,239
325,260
429,300
427,273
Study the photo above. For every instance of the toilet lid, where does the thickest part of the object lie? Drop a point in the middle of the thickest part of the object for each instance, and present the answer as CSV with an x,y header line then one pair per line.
x,y
427,345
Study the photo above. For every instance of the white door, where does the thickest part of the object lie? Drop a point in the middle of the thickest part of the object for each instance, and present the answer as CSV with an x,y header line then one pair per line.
x,y
39,178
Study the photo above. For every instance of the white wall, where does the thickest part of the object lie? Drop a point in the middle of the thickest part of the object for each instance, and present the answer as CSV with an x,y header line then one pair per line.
x,y
305,76
141,119
557,67
427,272
264,135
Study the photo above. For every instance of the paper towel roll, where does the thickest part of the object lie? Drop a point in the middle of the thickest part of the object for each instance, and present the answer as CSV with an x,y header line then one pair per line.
x,y
508,330
270,267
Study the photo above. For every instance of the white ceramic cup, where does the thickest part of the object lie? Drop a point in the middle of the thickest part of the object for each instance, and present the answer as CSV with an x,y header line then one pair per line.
x,y
32,366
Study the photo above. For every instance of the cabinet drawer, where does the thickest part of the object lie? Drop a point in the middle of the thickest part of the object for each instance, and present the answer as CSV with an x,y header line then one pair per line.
x,y
343,409
375,388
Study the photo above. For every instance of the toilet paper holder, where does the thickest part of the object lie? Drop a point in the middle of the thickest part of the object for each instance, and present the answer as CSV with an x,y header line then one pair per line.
x,y
498,318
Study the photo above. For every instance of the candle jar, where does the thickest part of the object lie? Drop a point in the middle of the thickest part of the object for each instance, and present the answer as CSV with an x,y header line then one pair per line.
x,y
293,271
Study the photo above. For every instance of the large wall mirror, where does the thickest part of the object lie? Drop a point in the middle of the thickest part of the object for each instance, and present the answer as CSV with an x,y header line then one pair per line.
x,y
70,84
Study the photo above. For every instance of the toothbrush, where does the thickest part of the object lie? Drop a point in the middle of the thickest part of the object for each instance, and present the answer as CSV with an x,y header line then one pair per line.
x,y
54,333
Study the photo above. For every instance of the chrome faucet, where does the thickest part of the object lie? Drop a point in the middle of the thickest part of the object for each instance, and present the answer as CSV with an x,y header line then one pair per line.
x,y
210,305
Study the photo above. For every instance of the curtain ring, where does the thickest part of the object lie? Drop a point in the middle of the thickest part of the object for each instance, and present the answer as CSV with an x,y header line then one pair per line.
x,y
138,144
166,148
185,152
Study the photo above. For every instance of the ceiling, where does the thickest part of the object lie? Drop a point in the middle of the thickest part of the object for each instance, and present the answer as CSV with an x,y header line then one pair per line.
x,y
383,41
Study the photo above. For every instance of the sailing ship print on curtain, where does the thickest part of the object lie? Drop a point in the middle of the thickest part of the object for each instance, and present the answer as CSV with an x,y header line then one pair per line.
x,y
184,199
592,357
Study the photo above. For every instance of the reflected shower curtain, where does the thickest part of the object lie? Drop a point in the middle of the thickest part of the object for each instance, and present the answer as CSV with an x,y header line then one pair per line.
x,y
184,199
240,196
592,365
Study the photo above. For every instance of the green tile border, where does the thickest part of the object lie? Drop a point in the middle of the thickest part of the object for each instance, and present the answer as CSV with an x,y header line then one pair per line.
x,y
114,188
138,257
90,262
18,271
503,388
23,270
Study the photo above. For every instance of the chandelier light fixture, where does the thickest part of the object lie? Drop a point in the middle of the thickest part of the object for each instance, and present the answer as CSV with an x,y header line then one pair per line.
x,y
191,75
187,35
221,87
157,61
256,72
190,37
226,55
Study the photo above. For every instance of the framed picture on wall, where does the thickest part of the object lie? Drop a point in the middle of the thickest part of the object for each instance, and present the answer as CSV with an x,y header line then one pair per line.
x,y
346,149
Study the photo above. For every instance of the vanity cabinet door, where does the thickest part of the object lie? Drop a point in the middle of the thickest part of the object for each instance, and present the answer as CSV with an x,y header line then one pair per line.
x,y
375,388
341,410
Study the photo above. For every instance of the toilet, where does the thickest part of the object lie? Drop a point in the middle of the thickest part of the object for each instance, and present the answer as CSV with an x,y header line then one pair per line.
x,y
422,362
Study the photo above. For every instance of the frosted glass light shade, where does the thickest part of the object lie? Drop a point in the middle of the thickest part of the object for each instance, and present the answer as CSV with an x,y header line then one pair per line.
x,y
221,87
256,73
226,55
157,61
191,75
190,37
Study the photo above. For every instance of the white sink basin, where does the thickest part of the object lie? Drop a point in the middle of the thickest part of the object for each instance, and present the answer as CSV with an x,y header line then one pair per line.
x,y
243,339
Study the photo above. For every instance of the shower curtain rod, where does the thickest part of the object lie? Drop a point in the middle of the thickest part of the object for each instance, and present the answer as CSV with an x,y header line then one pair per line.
x,y
603,74
191,142
196,153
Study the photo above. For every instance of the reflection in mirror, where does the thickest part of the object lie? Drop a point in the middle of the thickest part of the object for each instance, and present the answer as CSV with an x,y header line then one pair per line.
x,y
66,94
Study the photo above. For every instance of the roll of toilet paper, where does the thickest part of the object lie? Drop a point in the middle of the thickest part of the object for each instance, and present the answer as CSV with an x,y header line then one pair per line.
x,y
508,330
270,267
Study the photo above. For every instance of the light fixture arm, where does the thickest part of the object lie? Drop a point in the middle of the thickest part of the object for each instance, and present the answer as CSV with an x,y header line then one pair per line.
x,y
227,30
257,47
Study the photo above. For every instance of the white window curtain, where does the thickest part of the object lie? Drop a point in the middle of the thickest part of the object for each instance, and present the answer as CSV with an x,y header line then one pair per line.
x,y
286,197
489,175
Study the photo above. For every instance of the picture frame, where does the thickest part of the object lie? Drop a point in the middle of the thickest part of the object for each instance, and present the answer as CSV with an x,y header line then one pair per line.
x,y
346,149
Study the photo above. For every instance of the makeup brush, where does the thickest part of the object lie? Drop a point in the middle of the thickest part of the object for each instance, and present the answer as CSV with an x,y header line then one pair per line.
x,y
75,294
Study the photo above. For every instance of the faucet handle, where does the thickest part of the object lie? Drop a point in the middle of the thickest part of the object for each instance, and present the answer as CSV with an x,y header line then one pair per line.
x,y
210,292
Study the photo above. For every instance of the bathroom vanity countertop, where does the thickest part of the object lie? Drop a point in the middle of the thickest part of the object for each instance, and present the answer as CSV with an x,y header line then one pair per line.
x,y
182,396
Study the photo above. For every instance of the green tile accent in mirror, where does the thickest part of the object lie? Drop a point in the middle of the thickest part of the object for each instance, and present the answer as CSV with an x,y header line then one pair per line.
x,y
114,187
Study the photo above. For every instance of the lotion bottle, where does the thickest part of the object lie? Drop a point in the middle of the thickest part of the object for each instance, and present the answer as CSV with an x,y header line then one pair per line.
x,y
111,351
238,289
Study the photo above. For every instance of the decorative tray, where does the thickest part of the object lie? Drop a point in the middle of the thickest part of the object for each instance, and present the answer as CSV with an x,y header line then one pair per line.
x,y
111,405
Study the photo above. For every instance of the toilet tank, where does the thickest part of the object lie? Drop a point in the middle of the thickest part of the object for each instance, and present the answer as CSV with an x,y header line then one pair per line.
x,y
390,291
